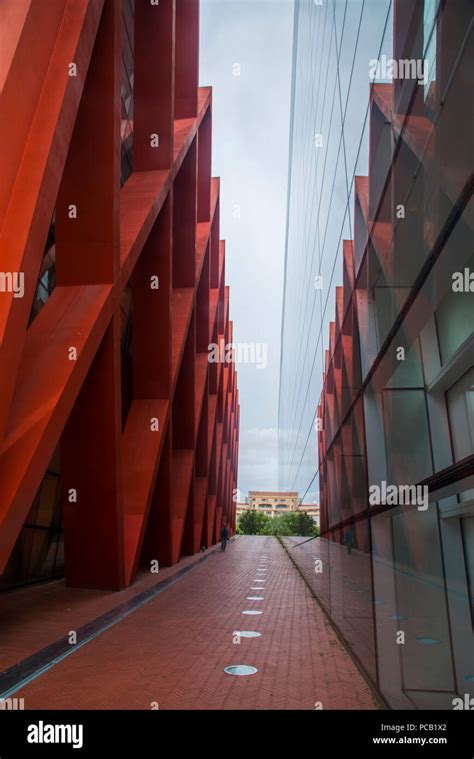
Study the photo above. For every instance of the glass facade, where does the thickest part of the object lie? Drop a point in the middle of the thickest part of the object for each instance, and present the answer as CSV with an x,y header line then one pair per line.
x,y
38,554
128,11
333,43
376,407
47,277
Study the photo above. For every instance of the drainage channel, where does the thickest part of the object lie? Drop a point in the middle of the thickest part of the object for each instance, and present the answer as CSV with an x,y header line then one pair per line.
x,y
24,672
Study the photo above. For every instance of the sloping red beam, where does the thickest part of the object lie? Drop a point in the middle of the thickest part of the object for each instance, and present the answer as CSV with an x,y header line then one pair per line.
x,y
160,485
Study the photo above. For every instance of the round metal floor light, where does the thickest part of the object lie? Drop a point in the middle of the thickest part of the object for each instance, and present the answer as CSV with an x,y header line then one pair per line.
x,y
252,611
240,669
247,633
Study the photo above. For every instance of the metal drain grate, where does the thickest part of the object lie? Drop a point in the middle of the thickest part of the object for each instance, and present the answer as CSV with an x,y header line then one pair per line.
x,y
247,633
240,669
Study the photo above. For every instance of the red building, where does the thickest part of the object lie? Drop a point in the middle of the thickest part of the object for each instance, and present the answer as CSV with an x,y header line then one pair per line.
x,y
118,439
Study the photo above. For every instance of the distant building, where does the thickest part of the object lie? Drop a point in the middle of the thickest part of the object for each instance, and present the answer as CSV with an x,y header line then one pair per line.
x,y
274,503
312,509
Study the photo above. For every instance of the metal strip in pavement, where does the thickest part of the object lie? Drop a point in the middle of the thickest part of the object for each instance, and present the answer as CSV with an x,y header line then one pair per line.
x,y
24,672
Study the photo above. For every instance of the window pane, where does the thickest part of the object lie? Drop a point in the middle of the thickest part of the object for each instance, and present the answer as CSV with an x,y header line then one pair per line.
x,y
454,317
467,525
461,416
407,435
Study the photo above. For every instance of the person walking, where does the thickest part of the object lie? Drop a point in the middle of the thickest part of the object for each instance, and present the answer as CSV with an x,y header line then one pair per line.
x,y
224,537
348,540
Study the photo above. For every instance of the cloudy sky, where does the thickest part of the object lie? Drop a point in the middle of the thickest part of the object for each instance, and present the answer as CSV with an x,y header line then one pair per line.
x,y
246,51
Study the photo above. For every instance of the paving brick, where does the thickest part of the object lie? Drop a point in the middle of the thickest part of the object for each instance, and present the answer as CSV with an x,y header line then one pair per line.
x,y
174,649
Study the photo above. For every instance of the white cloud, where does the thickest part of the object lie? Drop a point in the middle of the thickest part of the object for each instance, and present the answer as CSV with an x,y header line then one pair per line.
x,y
258,459
250,124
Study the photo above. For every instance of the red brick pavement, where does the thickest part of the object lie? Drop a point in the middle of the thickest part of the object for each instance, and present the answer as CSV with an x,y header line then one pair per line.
x,y
173,650
38,615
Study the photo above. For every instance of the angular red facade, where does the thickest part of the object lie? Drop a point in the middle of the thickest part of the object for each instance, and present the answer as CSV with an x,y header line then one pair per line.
x,y
110,217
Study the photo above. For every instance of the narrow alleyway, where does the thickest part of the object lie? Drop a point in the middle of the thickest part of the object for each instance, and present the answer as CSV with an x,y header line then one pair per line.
x,y
171,652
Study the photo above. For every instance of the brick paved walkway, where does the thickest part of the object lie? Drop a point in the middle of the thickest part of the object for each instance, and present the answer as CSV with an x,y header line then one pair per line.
x,y
38,615
173,650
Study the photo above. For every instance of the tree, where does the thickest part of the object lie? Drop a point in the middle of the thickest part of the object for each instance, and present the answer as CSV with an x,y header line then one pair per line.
x,y
294,523
291,523
253,523
304,524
